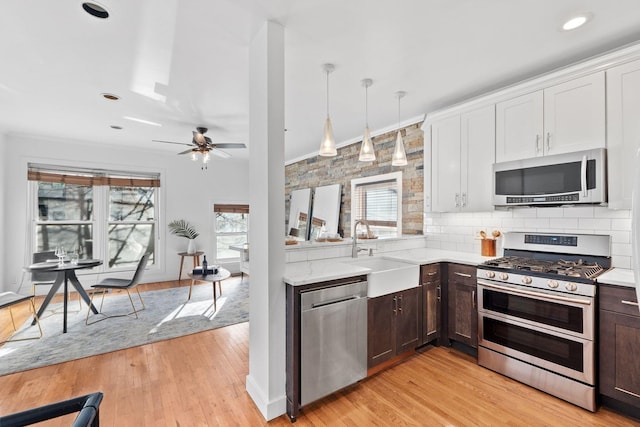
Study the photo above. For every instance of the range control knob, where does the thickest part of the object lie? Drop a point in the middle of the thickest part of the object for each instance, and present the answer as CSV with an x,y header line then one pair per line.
x,y
571,287
552,284
527,280
490,274
504,276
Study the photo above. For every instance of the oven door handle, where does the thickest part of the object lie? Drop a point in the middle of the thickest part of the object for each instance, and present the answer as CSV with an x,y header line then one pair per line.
x,y
535,294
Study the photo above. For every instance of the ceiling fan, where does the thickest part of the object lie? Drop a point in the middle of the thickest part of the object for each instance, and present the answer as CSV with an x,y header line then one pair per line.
x,y
202,145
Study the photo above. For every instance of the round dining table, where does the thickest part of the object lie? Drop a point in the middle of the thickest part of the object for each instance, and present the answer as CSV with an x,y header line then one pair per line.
x,y
66,273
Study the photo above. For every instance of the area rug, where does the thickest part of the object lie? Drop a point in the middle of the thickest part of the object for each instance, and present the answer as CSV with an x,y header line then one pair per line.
x,y
168,314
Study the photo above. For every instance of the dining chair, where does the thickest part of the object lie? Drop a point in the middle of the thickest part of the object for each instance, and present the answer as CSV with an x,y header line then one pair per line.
x,y
46,278
9,299
121,284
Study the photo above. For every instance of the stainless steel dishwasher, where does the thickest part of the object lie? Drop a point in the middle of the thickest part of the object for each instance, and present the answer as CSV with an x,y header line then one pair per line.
x,y
333,339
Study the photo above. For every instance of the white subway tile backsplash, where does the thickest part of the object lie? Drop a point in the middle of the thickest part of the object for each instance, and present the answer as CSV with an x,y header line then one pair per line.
x,y
603,212
563,223
550,213
524,212
579,212
594,223
620,249
536,223
457,229
621,224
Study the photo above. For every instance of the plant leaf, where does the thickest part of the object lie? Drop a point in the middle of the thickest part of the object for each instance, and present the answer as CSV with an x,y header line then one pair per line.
x,y
182,228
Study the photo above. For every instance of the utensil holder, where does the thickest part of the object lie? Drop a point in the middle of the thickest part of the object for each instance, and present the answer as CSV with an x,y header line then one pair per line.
x,y
488,247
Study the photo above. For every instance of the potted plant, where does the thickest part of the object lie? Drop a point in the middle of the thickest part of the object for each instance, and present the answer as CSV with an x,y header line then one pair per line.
x,y
183,228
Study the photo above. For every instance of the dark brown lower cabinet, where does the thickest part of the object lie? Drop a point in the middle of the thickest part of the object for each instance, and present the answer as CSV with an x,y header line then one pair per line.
x,y
619,363
463,309
392,325
431,297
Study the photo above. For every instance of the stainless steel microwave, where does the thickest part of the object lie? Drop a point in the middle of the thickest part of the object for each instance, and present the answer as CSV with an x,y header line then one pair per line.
x,y
561,179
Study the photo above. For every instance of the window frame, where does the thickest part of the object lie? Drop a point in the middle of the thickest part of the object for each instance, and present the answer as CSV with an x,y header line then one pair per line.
x,y
100,222
370,180
229,208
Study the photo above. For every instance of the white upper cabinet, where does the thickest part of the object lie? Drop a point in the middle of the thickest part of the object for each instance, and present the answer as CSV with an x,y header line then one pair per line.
x,y
463,152
623,131
560,119
519,127
445,165
478,140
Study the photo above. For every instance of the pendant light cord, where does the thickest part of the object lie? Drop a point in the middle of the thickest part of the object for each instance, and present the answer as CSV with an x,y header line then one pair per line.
x,y
327,93
366,106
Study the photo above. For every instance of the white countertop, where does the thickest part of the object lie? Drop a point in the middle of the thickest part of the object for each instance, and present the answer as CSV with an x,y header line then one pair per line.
x,y
429,256
303,273
618,276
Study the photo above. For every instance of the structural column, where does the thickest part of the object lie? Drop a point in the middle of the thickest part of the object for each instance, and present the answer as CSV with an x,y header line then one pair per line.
x,y
266,379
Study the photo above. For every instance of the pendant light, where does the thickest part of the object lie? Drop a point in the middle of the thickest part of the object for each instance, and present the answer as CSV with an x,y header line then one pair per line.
x,y
399,157
367,154
328,145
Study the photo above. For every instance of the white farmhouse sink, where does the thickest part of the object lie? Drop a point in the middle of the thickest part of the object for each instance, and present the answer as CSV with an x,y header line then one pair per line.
x,y
388,276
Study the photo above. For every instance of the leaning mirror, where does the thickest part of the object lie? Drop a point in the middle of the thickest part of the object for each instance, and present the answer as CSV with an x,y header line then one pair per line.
x,y
299,213
326,210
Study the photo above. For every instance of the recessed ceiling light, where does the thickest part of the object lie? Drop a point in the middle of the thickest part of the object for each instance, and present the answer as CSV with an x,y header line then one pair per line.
x,y
116,127
94,9
576,21
110,96
146,122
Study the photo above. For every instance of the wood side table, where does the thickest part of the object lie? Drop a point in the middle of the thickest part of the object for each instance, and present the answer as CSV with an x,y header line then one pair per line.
x,y
196,260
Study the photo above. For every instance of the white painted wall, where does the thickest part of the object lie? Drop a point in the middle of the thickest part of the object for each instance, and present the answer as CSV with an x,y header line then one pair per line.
x,y
186,192
3,189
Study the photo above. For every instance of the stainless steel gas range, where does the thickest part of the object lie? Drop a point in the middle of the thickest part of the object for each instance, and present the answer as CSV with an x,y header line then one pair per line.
x,y
536,312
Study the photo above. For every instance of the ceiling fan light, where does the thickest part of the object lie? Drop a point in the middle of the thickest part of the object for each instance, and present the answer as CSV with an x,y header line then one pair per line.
x,y
194,156
328,145
399,157
206,157
367,154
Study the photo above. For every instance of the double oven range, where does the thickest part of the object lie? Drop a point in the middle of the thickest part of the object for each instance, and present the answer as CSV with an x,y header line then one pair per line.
x,y
536,312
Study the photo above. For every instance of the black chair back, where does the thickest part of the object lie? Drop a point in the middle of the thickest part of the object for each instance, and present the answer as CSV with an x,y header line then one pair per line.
x,y
141,266
43,276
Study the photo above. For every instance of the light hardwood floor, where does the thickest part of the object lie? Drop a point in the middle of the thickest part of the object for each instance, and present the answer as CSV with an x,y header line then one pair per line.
x,y
199,380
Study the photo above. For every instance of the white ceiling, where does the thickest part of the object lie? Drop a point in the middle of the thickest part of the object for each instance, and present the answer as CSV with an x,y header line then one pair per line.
x,y
184,63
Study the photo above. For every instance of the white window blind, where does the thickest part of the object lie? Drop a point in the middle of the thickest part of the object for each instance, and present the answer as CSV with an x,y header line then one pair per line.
x,y
378,200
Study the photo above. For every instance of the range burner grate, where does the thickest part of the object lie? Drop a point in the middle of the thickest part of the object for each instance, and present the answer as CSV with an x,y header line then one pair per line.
x,y
560,267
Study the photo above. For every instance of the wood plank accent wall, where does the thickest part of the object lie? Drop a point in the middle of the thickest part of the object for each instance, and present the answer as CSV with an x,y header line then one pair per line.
x,y
317,171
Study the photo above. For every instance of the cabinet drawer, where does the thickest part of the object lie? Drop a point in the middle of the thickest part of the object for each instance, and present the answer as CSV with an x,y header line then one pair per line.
x,y
430,273
619,299
463,274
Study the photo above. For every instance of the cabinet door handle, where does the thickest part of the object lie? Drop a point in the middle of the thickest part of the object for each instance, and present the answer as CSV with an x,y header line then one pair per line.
x,y
473,299
461,274
432,273
400,304
457,200
629,302
464,199
395,306
537,143
548,141
439,297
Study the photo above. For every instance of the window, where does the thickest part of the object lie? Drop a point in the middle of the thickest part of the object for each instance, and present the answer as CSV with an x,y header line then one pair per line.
x,y
99,214
378,200
232,228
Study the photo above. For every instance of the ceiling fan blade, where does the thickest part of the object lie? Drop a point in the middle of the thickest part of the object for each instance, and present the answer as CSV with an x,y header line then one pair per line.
x,y
171,142
220,153
187,151
230,145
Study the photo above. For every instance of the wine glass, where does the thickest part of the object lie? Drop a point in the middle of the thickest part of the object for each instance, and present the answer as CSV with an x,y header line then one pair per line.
x,y
60,253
